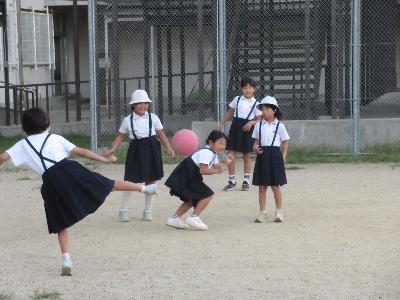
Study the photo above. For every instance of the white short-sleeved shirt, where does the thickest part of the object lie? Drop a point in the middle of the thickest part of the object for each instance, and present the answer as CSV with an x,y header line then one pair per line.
x,y
245,106
268,131
56,148
140,125
205,156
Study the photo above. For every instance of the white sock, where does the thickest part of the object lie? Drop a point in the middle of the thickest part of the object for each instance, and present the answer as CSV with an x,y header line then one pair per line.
x,y
143,189
232,178
66,256
263,212
124,200
246,177
148,199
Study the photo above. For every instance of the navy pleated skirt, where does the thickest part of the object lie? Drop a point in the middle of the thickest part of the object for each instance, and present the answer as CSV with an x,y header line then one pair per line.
x,y
71,192
269,168
143,161
186,182
238,139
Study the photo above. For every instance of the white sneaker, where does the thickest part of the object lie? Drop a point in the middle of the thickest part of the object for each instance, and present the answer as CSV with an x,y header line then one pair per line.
x,y
147,215
66,268
151,189
177,223
279,215
196,222
261,218
123,216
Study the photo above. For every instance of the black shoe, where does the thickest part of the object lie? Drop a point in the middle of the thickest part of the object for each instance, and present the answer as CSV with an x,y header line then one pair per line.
x,y
245,186
231,186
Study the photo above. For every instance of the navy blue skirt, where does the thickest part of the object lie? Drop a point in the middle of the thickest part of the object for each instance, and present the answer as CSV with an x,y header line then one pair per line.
x,y
143,161
71,192
186,182
269,168
238,139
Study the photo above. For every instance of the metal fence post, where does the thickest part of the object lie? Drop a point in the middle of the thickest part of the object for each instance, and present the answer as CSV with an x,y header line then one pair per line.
x,y
355,72
221,57
93,78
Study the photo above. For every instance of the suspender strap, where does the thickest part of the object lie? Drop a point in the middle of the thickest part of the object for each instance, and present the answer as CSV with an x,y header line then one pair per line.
x,y
133,131
273,140
237,107
276,131
150,126
42,158
254,105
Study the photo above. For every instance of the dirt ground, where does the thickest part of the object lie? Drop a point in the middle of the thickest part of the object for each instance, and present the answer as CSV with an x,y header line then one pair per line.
x,y
340,240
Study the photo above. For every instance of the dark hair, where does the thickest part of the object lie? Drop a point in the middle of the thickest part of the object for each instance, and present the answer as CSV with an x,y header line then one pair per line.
x,y
247,81
277,112
215,135
133,106
35,120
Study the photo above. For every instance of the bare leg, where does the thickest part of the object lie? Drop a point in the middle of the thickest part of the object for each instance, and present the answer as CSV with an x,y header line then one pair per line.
x,y
231,166
183,208
63,237
246,163
262,197
278,196
201,205
127,186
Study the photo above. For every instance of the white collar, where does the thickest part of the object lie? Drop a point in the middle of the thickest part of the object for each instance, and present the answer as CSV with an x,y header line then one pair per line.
x,y
136,116
274,122
248,99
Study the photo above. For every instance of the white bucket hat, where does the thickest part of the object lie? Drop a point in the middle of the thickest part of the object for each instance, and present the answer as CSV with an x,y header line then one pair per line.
x,y
268,100
139,96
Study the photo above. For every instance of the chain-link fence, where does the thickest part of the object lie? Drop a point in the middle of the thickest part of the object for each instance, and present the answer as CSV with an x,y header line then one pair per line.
x,y
300,51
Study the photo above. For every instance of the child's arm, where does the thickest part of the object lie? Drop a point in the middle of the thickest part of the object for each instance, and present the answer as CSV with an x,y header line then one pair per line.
x,y
227,117
251,123
217,169
256,147
163,138
115,144
93,156
284,149
4,157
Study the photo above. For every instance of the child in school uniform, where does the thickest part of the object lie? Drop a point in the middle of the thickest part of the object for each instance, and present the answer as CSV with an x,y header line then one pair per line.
x,y
70,191
186,181
271,146
143,161
246,115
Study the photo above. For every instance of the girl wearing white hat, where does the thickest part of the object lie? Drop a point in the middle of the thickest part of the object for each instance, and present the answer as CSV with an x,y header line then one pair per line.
x,y
271,146
143,161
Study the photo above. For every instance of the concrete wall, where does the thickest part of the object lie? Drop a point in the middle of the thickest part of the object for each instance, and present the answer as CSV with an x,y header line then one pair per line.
x,y
335,133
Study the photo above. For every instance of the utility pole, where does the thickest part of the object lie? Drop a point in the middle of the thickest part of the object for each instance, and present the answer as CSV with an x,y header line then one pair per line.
x,y
76,59
20,54
3,24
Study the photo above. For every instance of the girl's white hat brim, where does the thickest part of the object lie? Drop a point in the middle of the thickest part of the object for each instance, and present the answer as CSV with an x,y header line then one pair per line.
x,y
268,100
139,96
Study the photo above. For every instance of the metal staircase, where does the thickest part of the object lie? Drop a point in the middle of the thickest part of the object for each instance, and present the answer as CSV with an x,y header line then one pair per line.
x,y
280,44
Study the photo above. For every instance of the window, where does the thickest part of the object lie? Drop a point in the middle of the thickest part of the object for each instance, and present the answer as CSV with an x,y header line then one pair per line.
x,y
37,38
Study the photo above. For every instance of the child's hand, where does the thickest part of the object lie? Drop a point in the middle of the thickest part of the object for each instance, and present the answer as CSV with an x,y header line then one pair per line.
x,y
171,152
258,150
111,158
220,168
248,126
109,153
229,158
